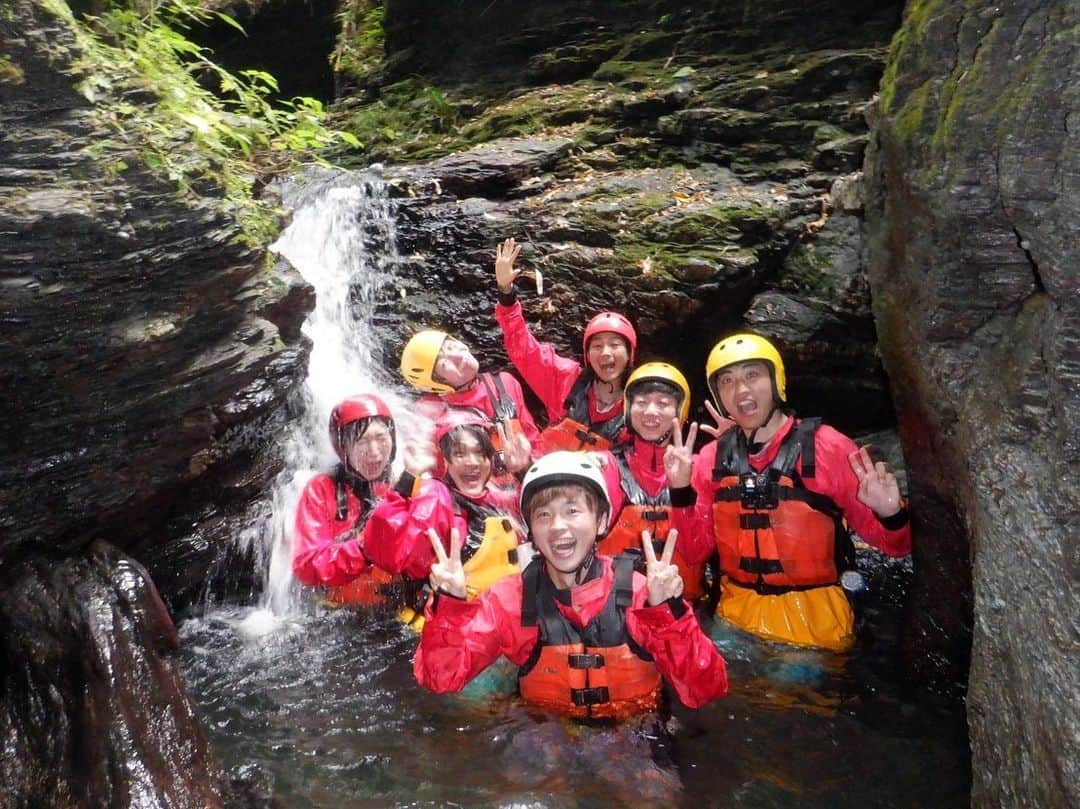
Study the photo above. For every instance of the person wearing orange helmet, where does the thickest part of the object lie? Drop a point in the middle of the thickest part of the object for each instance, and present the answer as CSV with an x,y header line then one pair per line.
x,y
775,496
334,510
584,403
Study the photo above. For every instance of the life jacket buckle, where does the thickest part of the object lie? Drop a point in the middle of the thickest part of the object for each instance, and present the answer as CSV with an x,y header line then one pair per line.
x,y
586,661
654,516
583,697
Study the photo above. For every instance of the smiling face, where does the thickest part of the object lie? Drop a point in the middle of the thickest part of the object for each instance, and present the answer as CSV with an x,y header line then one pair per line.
x,y
455,365
468,461
369,451
564,522
651,414
608,356
745,390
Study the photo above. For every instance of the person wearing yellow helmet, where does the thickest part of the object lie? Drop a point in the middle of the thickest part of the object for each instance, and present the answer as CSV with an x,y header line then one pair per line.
x,y
655,400
448,375
583,402
775,496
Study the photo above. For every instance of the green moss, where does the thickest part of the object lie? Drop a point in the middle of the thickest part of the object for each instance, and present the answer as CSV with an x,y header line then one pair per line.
x,y
361,39
10,73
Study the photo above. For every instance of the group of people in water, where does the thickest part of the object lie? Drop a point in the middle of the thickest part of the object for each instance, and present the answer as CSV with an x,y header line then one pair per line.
x,y
579,551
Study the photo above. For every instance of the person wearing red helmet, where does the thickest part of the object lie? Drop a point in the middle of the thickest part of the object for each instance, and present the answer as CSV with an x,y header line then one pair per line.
x,y
334,508
584,403
464,500
594,639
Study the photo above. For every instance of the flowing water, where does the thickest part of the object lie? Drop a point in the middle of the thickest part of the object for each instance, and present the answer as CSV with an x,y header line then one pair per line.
x,y
319,706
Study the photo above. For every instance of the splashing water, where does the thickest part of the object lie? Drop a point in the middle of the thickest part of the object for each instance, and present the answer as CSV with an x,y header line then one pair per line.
x,y
342,240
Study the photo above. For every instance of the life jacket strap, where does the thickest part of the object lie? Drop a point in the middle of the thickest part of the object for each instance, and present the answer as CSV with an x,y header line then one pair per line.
x,y
754,521
773,590
654,516
586,661
583,697
760,566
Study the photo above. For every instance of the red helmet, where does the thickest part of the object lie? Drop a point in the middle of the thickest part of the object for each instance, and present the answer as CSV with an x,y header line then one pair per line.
x,y
364,406
612,322
457,417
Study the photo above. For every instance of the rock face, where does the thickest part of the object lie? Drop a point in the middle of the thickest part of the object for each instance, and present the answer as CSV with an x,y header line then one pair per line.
x,y
974,225
678,166
140,351
144,360
93,711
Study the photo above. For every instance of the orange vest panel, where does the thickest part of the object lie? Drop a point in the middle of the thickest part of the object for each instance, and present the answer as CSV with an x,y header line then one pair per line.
x,y
626,534
571,435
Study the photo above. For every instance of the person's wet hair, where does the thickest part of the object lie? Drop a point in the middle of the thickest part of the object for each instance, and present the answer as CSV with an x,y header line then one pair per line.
x,y
647,386
545,496
454,440
355,430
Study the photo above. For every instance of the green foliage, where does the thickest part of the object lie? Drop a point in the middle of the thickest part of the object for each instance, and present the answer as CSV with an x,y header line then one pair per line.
x,y
10,73
361,39
148,82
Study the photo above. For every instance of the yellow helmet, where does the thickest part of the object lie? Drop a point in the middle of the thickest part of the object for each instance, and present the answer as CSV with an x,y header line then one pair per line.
x,y
419,358
658,372
744,348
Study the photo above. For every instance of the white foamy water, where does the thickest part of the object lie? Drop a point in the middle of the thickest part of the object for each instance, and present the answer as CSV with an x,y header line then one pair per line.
x,y
342,240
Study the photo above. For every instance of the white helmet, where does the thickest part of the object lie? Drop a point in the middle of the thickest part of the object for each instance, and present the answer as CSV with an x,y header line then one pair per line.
x,y
561,467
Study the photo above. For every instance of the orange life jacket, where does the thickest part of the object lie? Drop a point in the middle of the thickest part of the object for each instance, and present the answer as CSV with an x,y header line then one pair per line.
x,y
576,432
773,534
645,512
596,672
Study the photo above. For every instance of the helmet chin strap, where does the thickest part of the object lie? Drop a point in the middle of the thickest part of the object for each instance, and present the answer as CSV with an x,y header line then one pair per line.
x,y
583,568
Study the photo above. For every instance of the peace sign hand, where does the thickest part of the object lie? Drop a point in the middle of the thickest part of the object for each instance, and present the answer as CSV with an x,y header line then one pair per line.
x,y
447,574
663,578
505,256
723,424
878,488
679,455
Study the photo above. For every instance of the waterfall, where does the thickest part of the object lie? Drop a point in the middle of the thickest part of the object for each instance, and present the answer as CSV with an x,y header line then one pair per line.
x,y
342,240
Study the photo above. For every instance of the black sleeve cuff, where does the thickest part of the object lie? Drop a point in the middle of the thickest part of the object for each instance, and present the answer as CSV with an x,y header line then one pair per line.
x,y
683,496
440,594
896,521
507,298
405,484
677,606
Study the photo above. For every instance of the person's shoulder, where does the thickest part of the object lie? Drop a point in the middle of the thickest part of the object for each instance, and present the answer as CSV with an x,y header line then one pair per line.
x,y
829,437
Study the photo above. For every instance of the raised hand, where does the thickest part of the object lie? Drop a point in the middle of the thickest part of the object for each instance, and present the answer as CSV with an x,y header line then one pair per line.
x,y
505,256
723,424
663,577
516,449
447,574
679,455
878,488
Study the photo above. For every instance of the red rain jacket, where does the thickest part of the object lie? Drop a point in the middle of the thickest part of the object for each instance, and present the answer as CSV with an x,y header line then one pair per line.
x,y
318,557
550,375
436,407
396,536
461,639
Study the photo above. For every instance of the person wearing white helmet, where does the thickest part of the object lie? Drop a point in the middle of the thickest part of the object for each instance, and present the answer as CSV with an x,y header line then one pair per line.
x,y
583,401
593,638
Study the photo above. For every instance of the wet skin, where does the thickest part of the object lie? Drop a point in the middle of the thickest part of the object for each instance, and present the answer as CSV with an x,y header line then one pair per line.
x,y
468,467
370,454
564,532
745,390
651,414
456,365
608,356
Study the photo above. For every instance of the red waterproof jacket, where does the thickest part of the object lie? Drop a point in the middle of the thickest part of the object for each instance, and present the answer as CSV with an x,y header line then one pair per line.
x,y
462,638
320,558
396,535
550,375
437,407
833,478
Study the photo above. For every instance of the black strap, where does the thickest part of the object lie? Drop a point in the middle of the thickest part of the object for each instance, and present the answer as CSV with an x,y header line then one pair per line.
x,y
634,491
501,403
775,590
754,520
583,697
752,564
624,580
581,660
530,586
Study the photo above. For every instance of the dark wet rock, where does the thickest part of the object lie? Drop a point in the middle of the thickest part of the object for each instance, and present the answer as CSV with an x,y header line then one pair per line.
x,y
973,233
93,711
144,346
